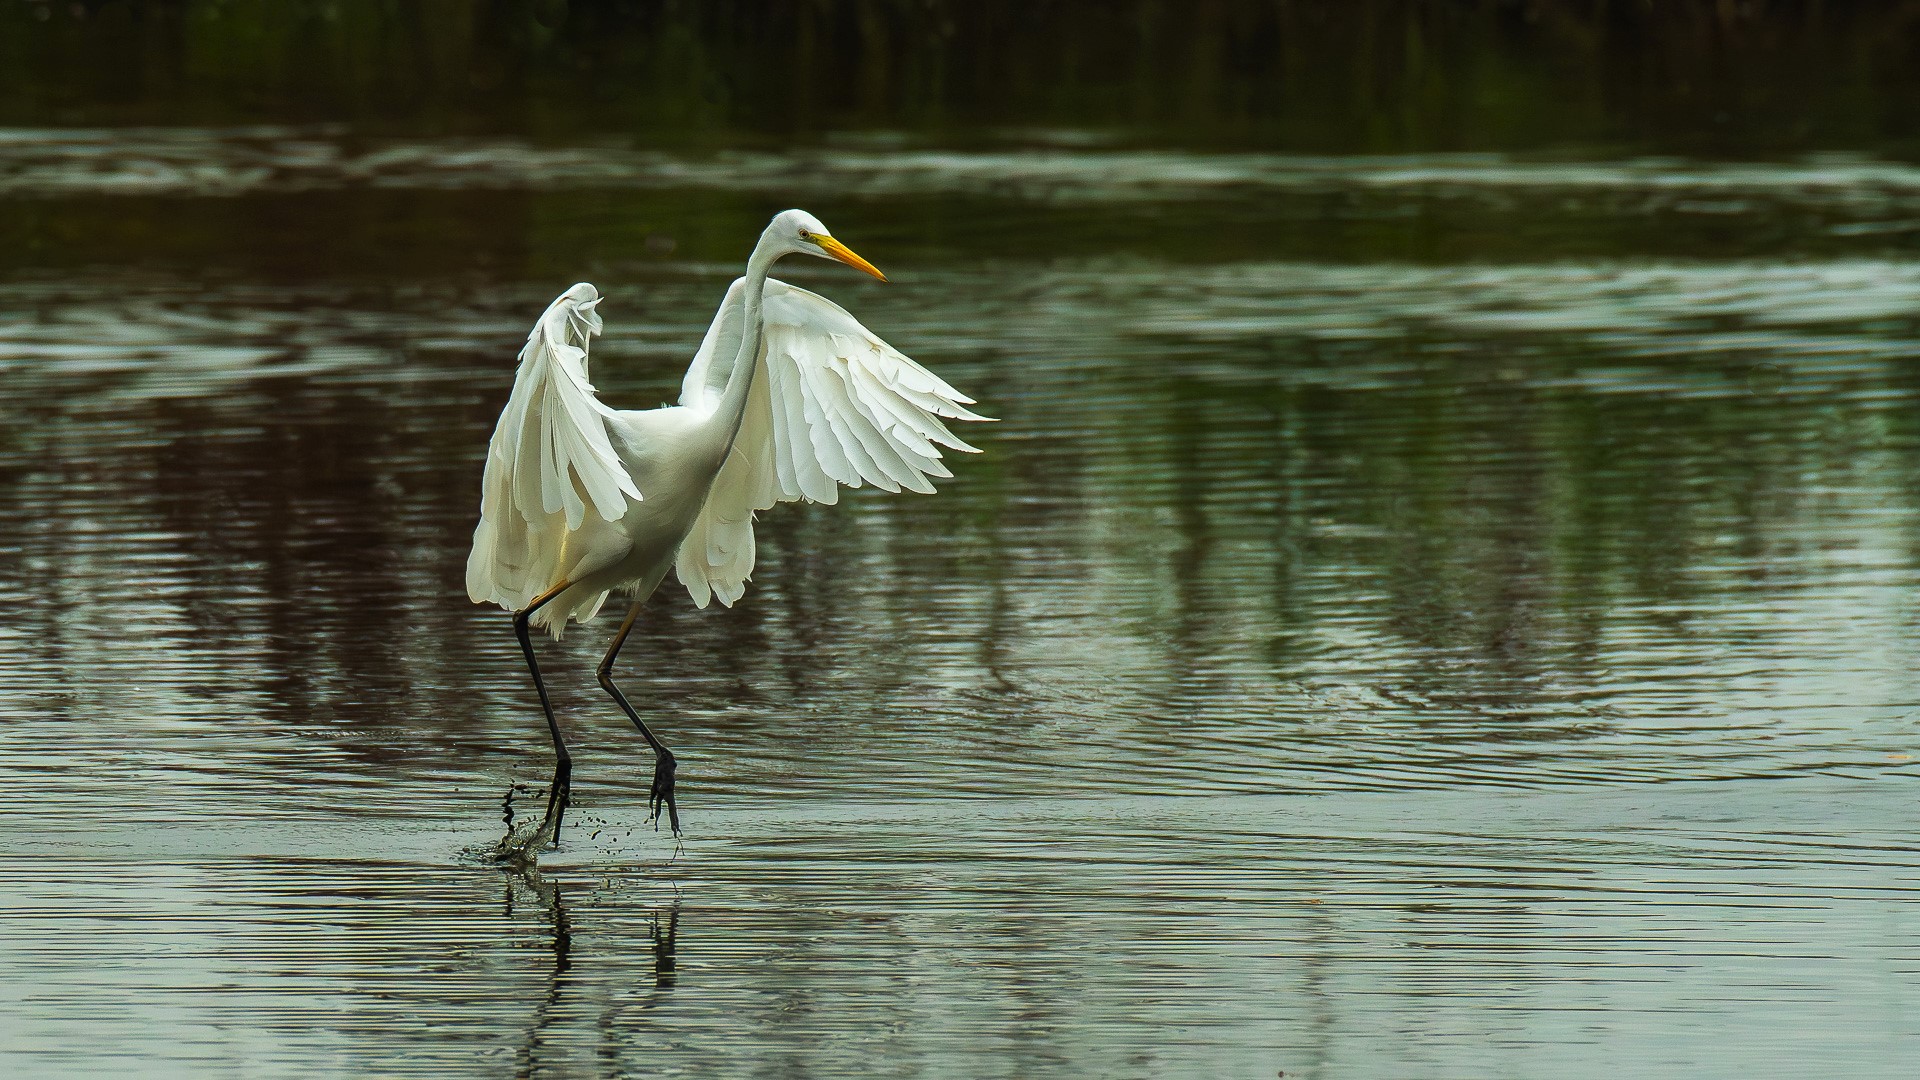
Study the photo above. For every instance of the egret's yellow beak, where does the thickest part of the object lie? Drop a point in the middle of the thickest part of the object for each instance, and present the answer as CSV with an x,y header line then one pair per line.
x,y
845,254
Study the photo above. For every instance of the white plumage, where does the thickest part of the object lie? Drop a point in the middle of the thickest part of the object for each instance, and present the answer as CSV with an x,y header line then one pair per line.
x,y
550,457
831,404
788,398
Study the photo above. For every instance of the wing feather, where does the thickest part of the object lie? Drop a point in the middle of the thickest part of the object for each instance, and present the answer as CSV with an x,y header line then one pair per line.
x,y
779,417
550,459
800,446
829,449
893,471
823,392
832,404
902,424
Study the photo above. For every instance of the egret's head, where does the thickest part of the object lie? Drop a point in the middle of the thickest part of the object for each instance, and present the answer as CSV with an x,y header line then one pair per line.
x,y
801,233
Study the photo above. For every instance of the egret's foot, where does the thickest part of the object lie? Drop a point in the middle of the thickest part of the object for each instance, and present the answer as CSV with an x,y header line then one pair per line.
x,y
661,797
560,798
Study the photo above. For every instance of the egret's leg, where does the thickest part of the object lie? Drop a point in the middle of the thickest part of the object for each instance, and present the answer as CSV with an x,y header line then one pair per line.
x,y
559,791
663,760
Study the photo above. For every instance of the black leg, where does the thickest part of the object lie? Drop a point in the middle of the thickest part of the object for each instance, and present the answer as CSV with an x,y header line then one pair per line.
x,y
663,762
558,792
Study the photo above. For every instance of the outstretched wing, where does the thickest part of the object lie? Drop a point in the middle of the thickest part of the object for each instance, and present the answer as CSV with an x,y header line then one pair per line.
x,y
550,461
831,404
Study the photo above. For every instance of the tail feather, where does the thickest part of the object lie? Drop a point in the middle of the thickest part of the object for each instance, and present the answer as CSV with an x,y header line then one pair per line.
x,y
575,604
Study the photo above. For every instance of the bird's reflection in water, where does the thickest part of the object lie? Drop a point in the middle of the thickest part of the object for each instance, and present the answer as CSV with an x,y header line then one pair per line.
x,y
554,909
663,942
546,1038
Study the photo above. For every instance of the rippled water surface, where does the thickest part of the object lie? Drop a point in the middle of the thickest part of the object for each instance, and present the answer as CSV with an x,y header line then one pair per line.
x,y
1445,616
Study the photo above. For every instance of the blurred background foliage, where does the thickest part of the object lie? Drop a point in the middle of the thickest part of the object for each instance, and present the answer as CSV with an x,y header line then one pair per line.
x,y
1698,77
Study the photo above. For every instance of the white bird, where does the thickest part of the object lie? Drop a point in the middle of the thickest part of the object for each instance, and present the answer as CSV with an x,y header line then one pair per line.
x,y
788,397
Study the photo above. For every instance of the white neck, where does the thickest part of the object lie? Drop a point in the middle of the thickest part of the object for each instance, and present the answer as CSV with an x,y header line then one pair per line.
x,y
733,400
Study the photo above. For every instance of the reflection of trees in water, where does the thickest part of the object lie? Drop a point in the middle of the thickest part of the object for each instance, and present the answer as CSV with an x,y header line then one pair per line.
x,y
1202,523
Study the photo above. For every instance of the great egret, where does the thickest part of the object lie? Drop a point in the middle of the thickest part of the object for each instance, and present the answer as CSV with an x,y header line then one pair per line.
x,y
787,397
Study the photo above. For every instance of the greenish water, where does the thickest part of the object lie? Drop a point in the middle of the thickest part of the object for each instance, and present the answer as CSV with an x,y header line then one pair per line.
x,y
1437,605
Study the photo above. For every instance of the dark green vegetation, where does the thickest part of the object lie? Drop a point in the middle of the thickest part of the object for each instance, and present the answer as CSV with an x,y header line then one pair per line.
x,y
1684,76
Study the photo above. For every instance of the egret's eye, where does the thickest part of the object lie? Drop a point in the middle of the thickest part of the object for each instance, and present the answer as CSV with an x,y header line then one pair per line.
x,y
805,235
